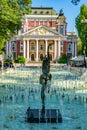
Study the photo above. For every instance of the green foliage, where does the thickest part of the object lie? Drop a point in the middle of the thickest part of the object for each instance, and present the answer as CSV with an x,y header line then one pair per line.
x,y
81,26
11,13
8,60
79,47
63,59
20,59
2,41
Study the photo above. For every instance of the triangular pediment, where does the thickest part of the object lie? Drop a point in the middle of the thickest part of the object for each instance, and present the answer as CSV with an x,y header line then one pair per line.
x,y
41,30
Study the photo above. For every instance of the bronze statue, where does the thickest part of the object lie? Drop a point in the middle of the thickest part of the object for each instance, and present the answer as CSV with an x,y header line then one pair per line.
x,y
45,115
45,77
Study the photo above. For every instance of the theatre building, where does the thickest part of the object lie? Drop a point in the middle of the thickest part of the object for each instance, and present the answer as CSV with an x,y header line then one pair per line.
x,y
40,28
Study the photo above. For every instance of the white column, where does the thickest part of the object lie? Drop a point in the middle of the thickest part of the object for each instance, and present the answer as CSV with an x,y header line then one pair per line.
x,y
46,47
55,50
58,48
39,22
24,47
75,49
7,49
27,49
36,50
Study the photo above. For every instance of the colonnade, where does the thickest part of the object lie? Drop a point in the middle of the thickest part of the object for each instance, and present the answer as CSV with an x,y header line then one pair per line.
x,y
55,50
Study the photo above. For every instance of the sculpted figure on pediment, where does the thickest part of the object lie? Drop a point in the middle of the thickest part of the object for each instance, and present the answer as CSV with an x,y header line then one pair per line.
x,y
41,31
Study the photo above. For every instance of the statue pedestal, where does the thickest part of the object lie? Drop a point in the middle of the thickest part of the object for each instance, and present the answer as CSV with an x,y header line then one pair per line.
x,y
49,116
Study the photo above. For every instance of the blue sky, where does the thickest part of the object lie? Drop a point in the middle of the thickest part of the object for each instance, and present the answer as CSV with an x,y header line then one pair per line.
x,y
70,11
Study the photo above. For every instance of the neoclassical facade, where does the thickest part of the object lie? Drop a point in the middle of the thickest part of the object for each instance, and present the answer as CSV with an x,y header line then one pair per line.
x,y
40,28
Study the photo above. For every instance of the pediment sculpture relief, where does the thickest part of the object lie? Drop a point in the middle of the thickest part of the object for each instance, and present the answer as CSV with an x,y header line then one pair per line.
x,y
41,31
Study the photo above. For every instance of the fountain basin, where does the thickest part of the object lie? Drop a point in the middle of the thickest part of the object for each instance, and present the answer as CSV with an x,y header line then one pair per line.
x,y
48,116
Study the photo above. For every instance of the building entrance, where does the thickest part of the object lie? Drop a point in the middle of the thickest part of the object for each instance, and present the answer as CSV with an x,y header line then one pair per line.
x,y
32,57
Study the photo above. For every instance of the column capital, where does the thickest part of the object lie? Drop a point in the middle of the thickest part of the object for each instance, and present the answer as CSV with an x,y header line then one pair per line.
x,y
55,50
36,39
59,48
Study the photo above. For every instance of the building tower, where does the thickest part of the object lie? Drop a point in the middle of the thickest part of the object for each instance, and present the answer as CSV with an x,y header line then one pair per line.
x,y
61,25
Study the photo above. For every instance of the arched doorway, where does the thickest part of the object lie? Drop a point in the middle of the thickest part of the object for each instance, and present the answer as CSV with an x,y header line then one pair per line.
x,y
50,57
41,57
32,57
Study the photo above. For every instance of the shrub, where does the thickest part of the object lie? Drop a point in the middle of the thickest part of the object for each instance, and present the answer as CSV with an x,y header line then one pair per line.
x,y
20,59
63,59
7,62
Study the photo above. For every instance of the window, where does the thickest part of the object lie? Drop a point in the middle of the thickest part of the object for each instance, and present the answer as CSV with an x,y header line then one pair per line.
x,y
50,47
69,47
22,30
35,12
13,46
61,30
61,46
21,46
41,47
32,57
41,57
47,12
41,12
32,46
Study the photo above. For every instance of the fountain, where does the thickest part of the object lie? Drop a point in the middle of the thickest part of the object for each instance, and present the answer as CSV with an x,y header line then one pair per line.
x,y
20,89
44,115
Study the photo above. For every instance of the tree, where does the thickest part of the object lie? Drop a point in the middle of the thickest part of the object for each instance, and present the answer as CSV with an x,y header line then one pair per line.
x,y
2,41
81,26
75,2
79,47
11,13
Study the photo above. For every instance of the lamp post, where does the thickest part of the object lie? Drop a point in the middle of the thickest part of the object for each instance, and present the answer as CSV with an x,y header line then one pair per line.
x,y
2,61
84,22
86,43
85,50
84,56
